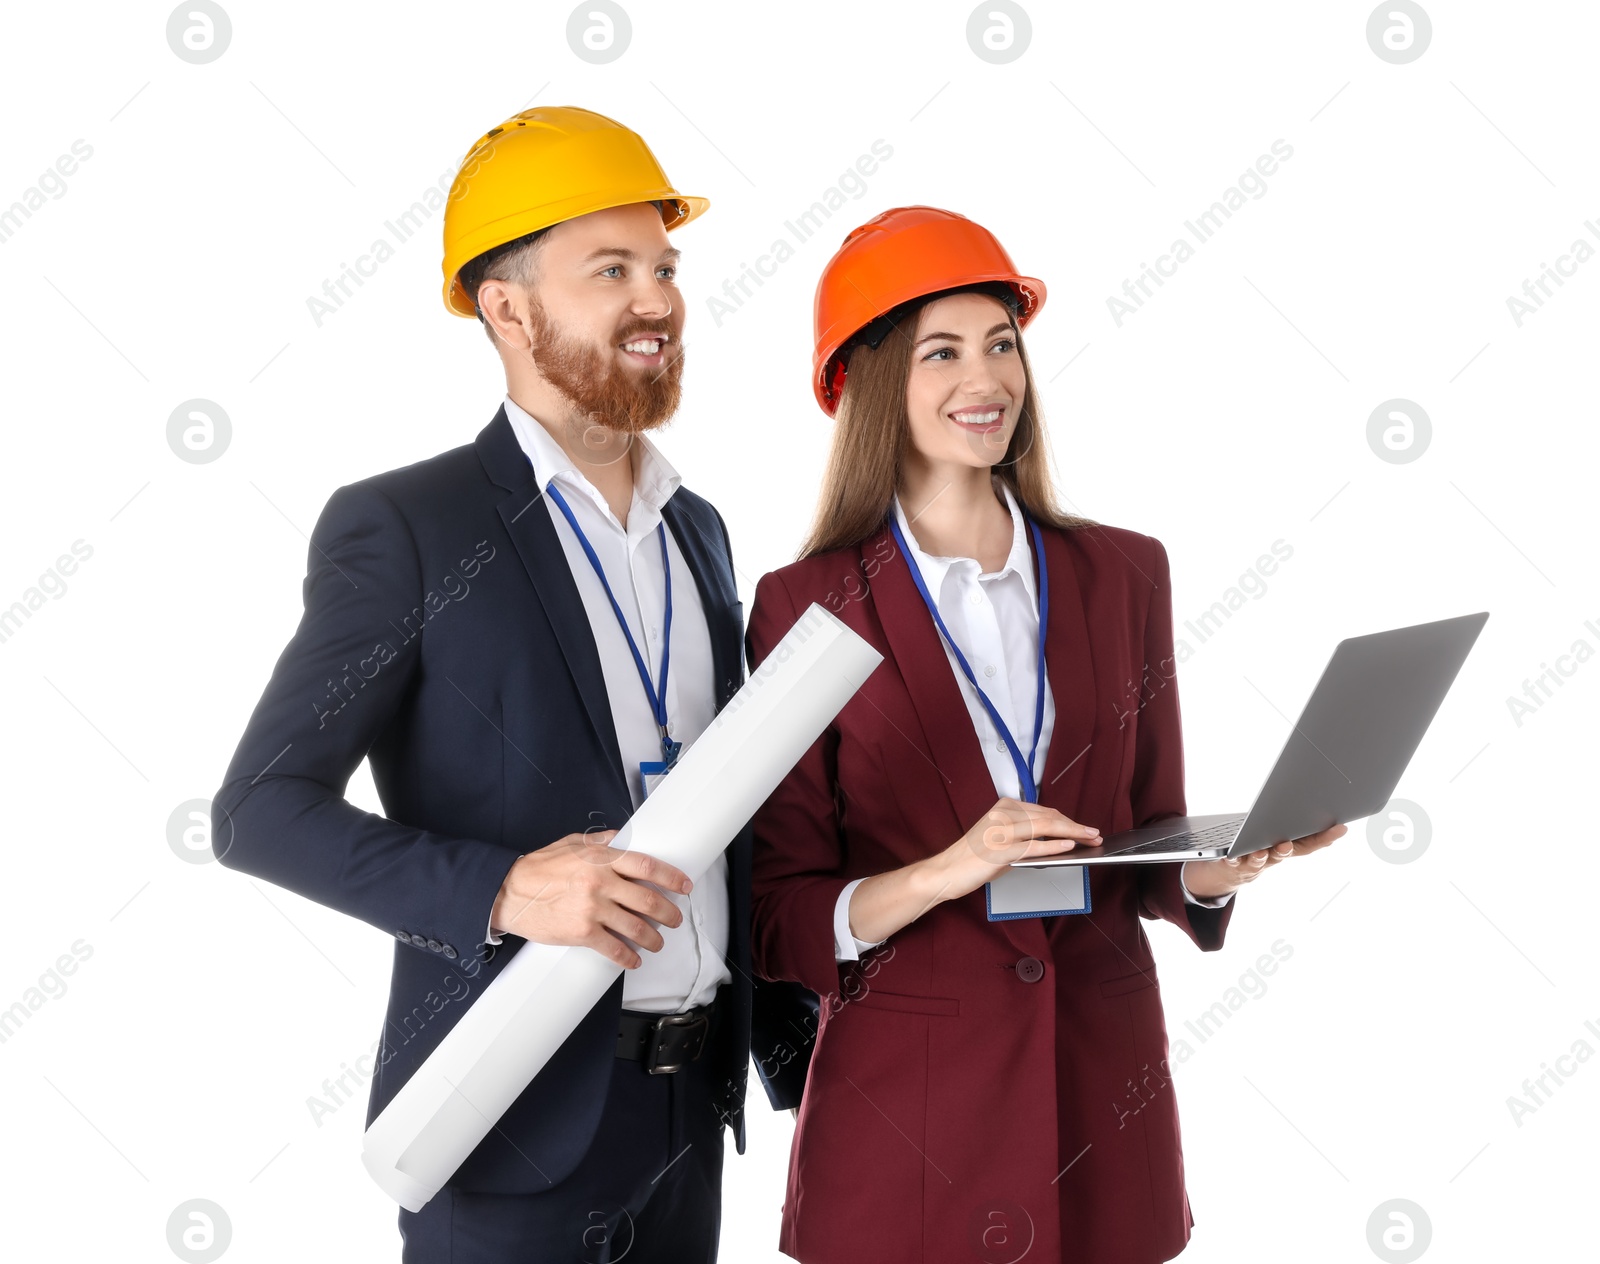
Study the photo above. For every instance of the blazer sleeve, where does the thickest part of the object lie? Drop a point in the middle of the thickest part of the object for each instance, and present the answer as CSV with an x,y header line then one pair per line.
x,y
1157,788
281,814
798,845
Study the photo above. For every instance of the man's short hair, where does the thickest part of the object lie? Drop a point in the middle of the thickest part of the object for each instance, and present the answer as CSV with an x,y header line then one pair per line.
x,y
511,261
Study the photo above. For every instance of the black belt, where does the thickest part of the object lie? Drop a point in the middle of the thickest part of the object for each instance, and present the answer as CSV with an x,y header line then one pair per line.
x,y
664,1042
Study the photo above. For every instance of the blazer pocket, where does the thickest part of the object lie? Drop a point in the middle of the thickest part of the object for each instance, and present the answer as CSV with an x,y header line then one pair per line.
x,y
940,1006
1126,983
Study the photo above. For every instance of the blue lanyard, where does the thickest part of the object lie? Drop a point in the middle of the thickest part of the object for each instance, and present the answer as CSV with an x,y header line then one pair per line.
x,y
658,701
1030,789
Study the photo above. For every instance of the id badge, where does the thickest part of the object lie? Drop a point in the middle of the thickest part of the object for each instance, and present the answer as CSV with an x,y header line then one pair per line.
x,y
653,772
1037,893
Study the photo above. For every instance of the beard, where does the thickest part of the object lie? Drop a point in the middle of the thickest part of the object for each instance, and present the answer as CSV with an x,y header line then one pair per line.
x,y
604,392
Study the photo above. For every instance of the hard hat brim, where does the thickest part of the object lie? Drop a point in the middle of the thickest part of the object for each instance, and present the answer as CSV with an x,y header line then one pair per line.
x,y
1031,292
510,227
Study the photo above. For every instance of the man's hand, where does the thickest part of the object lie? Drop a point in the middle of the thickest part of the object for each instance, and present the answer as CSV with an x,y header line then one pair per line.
x,y
578,891
1211,878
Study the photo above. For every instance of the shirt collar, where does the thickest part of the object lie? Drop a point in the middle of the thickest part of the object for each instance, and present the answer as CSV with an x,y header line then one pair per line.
x,y
1019,560
654,479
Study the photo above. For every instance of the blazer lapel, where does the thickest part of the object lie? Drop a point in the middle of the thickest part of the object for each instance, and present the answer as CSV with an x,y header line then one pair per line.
x,y
950,744
527,521
718,598
946,724
1069,665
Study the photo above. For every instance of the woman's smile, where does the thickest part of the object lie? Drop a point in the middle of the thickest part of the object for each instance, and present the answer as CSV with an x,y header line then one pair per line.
x,y
980,418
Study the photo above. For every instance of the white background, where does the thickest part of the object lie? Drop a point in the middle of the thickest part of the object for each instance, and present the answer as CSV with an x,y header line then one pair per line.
x,y
1230,412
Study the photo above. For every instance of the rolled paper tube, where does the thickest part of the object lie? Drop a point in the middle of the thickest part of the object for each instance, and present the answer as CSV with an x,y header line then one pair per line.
x,y
530,1008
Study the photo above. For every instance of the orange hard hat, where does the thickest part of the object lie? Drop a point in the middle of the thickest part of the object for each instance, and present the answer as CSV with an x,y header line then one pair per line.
x,y
904,254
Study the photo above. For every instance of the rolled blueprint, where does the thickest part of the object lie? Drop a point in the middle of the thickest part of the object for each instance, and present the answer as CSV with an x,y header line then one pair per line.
x,y
530,1008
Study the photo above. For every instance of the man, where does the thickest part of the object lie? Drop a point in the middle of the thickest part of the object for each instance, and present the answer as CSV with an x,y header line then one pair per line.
x,y
521,634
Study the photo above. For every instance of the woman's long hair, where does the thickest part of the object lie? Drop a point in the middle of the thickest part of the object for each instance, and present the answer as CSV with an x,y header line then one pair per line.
x,y
872,432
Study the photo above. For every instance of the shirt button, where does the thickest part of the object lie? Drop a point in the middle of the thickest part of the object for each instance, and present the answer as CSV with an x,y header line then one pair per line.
x,y
976,599
1001,747
989,670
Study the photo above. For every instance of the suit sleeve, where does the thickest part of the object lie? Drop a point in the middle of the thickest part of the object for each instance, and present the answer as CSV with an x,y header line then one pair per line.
x,y
798,849
783,1015
281,814
1157,789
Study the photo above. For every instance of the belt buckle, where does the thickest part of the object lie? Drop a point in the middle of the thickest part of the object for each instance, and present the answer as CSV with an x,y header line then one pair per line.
x,y
674,1020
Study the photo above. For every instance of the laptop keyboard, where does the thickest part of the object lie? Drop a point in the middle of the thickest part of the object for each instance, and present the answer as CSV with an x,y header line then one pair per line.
x,y
1219,835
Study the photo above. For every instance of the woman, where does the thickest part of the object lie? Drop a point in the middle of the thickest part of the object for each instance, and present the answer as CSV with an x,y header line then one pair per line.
x,y
982,1088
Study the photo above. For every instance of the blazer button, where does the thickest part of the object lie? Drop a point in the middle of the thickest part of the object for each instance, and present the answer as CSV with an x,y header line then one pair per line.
x,y
404,936
435,945
421,941
450,952
1030,969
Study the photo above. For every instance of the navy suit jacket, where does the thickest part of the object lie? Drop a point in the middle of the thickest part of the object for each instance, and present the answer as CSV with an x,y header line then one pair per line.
x,y
445,640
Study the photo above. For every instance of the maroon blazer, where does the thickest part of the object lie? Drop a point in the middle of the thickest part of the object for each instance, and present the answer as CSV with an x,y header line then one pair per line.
x,y
978,1086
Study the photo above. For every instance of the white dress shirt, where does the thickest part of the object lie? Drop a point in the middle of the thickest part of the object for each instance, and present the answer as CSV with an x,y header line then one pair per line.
x,y
994,618
692,963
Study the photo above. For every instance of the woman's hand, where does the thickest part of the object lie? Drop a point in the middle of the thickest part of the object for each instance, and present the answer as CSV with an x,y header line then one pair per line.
x,y
1010,830
1211,878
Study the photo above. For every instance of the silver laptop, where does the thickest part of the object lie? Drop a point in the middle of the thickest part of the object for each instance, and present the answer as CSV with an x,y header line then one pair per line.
x,y
1341,762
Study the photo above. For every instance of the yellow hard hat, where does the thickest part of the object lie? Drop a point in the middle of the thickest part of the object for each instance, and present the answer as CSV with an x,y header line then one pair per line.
x,y
540,167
